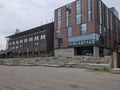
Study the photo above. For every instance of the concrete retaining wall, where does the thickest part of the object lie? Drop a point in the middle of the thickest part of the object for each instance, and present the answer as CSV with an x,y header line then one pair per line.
x,y
72,62
64,52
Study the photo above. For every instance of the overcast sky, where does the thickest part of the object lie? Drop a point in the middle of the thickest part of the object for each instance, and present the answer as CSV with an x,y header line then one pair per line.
x,y
26,14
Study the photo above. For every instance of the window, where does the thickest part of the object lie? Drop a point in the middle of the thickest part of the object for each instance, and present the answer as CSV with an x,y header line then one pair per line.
x,y
97,10
60,43
21,41
17,47
36,44
36,38
105,32
78,12
84,39
59,13
58,34
100,28
10,43
83,28
89,10
107,17
59,19
13,42
100,11
25,40
17,42
69,31
30,39
43,37
111,23
67,20
42,44
13,47
68,15
59,24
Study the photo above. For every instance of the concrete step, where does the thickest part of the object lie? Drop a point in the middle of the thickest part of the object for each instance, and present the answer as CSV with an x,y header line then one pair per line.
x,y
115,70
52,65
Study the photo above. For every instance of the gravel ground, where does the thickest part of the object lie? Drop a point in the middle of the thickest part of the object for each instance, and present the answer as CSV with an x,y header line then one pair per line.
x,y
49,78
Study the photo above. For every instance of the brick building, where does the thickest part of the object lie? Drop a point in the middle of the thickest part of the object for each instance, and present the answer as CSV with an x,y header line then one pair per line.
x,y
86,27
33,42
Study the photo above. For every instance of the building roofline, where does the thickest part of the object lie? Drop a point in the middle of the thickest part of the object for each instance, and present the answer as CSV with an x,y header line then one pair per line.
x,y
31,30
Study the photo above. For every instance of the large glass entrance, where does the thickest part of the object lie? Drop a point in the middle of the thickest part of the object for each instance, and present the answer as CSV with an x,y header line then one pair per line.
x,y
85,51
118,60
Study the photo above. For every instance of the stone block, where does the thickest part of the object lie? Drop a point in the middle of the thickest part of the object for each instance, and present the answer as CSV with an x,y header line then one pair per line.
x,y
115,71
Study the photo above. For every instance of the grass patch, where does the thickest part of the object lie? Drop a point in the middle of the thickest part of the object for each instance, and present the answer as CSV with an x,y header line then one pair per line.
x,y
100,70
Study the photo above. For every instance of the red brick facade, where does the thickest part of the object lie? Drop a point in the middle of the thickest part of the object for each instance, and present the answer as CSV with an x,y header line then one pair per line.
x,y
103,22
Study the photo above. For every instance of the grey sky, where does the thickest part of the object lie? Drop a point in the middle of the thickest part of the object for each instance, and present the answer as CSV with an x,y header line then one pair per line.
x,y
26,14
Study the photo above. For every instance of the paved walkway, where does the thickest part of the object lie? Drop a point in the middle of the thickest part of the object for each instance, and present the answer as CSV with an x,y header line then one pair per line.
x,y
46,78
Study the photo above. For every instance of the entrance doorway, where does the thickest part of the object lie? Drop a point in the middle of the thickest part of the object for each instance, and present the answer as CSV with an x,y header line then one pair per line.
x,y
85,51
118,60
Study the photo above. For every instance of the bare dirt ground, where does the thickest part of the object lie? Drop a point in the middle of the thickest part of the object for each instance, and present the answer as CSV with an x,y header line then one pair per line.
x,y
47,78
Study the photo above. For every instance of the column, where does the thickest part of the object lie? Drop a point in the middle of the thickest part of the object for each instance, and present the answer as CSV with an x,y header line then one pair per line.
x,y
96,51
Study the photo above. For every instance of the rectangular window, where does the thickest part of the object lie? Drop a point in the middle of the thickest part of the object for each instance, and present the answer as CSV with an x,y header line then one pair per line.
x,y
36,38
78,12
60,43
87,39
13,42
43,37
105,32
58,34
107,17
59,24
17,42
30,39
100,28
67,18
89,10
100,11
84,28
42,44
9,43
59,13
97,10
111,21
25,40
36,44
68,15
59,19
21,41
69,31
